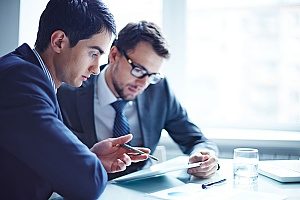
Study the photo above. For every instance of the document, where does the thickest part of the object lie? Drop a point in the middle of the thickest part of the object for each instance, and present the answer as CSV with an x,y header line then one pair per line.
x,y
194,191
175,164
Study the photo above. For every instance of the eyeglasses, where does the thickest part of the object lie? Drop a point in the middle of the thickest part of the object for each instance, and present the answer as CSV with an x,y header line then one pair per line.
x,y
139,71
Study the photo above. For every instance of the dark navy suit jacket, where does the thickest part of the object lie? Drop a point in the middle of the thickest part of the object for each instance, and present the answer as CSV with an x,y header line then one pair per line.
x,y
38,153
157,108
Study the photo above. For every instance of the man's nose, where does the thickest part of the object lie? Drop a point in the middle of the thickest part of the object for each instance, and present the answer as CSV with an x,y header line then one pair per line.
x,y
95,68
143,81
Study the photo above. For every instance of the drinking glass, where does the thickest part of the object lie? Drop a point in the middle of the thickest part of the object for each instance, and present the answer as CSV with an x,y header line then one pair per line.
x,y
245,165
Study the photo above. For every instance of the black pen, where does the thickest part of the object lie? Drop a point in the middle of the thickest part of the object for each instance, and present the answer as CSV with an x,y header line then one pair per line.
x,y
138,151
205,186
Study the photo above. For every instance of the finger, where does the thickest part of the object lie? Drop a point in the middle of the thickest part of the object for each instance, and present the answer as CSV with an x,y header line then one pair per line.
x,y
126,159
207,167
200,169
198,158
203,174
121,140
144,149
138,157
204,153
117,166
209,163
137,150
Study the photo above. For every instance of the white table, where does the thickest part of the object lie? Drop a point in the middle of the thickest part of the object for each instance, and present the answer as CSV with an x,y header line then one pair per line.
x,y
137,190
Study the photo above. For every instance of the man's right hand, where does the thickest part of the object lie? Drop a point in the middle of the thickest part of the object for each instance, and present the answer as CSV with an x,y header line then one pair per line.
x,y
114,157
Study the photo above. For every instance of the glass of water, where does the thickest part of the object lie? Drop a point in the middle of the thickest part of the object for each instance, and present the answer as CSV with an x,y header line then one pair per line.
x,y
245,165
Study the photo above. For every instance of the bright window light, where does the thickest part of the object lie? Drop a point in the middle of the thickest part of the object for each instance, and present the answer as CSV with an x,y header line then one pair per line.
x,y
243,63
238,61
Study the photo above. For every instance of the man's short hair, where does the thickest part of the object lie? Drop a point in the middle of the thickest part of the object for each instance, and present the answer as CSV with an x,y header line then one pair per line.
x,y
142,31
78,19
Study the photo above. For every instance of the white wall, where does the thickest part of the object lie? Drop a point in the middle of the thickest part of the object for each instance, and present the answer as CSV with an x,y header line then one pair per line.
x,y
19,22
30,12
9,23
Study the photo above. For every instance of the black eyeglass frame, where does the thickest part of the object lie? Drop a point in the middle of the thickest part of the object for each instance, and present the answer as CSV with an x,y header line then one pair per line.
x,y
154,78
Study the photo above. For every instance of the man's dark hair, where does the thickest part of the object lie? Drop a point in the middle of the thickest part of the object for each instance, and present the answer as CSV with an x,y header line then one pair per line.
x,y
78,19
143,31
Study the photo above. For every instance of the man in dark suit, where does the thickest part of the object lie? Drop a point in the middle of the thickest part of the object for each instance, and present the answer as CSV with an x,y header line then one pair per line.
x,y
133,74
39,154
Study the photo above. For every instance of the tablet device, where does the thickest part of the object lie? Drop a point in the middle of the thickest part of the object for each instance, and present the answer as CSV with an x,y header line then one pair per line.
x,y
284,171
175,164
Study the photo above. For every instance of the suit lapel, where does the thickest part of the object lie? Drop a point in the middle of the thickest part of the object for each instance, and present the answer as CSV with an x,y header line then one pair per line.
x,y
85,107
143,116
26,52
58,111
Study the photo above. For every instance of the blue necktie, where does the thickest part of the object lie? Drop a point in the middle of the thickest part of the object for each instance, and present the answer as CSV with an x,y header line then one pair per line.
x,y
121,126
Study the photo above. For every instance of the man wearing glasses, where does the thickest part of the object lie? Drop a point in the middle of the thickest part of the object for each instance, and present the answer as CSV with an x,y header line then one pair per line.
x,y
133,74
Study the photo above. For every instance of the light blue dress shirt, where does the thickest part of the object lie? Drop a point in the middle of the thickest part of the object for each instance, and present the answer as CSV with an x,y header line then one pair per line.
x,y
105,113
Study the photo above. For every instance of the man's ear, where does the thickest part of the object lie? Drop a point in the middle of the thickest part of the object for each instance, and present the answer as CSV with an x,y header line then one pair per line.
x,y
114,54
59,40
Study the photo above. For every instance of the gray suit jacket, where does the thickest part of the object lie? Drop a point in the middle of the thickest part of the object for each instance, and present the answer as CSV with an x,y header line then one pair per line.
x,y
157,108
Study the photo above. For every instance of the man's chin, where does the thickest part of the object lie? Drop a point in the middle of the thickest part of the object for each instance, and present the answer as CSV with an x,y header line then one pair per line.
x,y
129,97
75,84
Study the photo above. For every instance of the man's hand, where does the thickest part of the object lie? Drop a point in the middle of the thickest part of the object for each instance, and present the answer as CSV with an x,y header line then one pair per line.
x,y
207,168
114,157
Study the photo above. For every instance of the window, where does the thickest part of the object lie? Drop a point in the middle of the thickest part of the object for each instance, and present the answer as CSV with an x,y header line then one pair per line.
x,y
135,10
237,61
242,56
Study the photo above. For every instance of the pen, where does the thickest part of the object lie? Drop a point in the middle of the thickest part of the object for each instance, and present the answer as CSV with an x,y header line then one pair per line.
x,y
138,151
205,186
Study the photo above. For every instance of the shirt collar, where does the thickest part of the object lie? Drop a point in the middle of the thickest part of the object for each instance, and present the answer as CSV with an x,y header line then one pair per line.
x,y
45,69
103,93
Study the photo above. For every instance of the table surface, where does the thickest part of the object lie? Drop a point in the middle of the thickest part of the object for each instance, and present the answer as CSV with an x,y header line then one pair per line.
x,y
140,189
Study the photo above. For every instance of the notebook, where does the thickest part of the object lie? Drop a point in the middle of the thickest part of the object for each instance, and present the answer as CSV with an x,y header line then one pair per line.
x,y
284,171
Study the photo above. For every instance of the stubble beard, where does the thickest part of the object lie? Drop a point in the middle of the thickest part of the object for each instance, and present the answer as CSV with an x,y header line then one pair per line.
x,y
120,91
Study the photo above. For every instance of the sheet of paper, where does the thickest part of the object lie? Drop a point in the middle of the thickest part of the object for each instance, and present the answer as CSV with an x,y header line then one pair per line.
x,y
175,164
194,191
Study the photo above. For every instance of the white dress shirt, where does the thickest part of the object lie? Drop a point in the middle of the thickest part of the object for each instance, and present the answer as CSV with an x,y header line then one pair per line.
x,y
45,69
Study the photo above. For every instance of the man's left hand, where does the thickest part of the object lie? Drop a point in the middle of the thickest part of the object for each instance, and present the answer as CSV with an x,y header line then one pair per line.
x,y
208,167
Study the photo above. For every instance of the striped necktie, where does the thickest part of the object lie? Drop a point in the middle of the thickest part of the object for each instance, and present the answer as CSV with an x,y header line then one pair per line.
x,y
121,126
